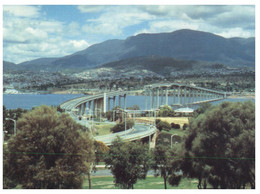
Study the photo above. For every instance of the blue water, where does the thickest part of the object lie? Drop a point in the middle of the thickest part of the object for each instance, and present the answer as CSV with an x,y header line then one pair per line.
x,y
28,101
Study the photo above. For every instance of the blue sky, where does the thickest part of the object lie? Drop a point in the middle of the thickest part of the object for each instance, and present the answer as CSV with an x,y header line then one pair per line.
x,y
31,32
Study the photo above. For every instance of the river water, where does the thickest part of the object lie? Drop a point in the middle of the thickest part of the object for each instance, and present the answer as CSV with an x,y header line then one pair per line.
x,y
28,101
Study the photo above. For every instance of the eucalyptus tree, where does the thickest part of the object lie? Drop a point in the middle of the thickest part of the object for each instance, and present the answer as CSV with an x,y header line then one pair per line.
x,y
220,146
50,151
128,162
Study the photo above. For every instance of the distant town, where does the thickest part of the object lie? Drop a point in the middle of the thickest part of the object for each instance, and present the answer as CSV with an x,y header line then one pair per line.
x,y
103,79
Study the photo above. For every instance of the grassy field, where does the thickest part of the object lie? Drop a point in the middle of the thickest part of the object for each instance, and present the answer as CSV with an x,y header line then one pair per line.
x,y
179,132
103,129
176,120
151,182
164,137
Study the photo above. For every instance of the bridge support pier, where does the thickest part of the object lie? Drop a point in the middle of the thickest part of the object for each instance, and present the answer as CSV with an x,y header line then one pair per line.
x,y
166,96
124,101
89,107
114,101
152,100
145,93
173,96
84,109
179,91
108,104
185,95
157,98
162,97
105,103
119,100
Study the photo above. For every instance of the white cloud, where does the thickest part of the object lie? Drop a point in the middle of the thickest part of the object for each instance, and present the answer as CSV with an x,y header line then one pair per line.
x,y
27,38
169,26
115,20
54,48
221,16
21,10
235,32
79,44
49,26
29,34
29,30
91,8
235,17
73,29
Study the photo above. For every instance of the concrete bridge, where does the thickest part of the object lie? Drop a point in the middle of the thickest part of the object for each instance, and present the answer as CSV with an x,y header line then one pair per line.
x,y
159,94
94,104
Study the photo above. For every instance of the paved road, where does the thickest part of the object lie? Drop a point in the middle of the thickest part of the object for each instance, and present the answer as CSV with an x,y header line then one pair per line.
x,y
139,130
107,172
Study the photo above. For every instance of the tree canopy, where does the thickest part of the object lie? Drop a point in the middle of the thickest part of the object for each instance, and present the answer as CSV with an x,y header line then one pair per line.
x,y
166,111
128,161
49,151
166,163
121,126
162,125
8,125
220,146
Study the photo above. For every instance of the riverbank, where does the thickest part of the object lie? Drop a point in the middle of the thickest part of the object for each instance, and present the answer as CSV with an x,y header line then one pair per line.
x,y
250,96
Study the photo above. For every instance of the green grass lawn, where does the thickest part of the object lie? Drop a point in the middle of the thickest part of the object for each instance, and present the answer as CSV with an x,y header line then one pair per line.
x,y
179,132
103,129
164,138
150,182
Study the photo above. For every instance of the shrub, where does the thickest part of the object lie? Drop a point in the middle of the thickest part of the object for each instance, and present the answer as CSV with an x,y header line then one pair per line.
x,y
121,126
175,126
157,121
163,125
185,126
166,111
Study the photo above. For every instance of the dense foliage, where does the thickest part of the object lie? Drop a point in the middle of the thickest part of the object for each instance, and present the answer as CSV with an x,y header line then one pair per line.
x,y
128,162
175,126
8,126
166,163
163,125
121,126
100,151
50,151
166,111
220,146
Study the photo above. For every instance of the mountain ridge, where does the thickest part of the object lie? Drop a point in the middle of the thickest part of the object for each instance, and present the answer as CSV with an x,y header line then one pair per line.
x,y
181,44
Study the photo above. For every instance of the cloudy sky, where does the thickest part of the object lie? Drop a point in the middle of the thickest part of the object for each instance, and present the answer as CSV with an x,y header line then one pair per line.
x,y
31,32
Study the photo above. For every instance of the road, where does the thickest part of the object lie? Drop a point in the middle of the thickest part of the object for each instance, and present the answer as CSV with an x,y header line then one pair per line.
x,y
137,132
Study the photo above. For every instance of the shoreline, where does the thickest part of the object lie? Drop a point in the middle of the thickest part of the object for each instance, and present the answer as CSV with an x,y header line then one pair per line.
x,y
134,93
131,93
251,96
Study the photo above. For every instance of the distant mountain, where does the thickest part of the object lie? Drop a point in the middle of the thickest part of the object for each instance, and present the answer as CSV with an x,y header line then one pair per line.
x,y
156,65
39,64
181,44
9,66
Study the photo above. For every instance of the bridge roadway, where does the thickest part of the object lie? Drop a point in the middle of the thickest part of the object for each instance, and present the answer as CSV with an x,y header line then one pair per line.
x,y
73,103
170,85
137,132
77,107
